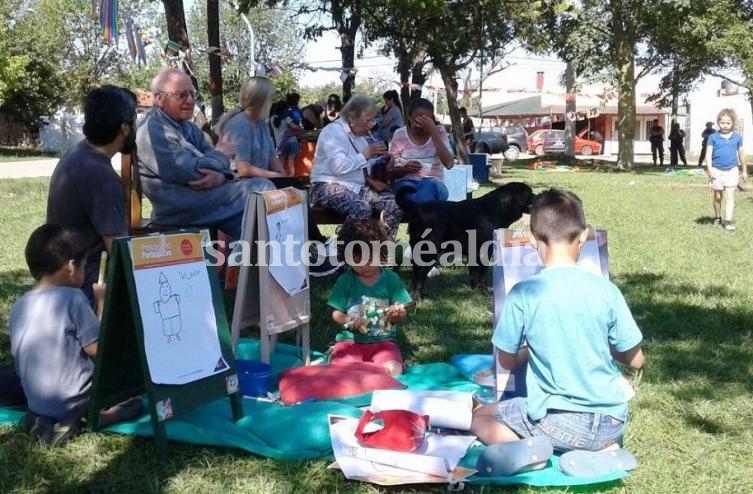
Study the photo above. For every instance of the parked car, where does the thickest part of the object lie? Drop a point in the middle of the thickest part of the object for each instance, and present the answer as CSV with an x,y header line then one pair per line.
x,y
511,141
517,138
553,141
490,142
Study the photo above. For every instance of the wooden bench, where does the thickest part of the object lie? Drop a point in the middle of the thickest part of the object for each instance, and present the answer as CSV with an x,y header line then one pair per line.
x,y
138,225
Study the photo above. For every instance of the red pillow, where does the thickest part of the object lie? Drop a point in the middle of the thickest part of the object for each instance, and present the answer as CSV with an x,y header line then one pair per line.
x,y
322,382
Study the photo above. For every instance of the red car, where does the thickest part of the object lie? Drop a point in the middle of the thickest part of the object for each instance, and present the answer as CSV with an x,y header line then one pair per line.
x,y
551,141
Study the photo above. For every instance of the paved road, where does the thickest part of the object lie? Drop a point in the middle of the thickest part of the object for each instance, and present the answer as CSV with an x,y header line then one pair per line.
x,y
37,168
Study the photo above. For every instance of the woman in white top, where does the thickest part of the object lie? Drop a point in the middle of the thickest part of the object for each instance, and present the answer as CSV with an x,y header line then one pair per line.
x,y
421,151
340,178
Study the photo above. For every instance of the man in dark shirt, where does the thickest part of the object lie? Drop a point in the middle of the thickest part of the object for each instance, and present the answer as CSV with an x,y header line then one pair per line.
x,y
85,192
656,138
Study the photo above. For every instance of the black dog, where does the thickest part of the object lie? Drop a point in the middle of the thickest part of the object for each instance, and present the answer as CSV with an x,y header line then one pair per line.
x,y
443,221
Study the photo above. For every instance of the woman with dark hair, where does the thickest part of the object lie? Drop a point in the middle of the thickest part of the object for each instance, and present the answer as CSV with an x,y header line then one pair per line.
x,y
421,151
332,112
392,115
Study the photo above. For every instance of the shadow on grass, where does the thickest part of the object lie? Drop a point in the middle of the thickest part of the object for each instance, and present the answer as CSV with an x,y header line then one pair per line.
x,y
704,220
708,349
13,284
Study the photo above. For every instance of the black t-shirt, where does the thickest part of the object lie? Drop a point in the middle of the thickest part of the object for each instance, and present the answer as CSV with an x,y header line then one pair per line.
x,y
87,195
468,128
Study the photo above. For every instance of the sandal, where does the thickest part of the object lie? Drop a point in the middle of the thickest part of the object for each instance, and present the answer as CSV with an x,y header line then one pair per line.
x,y
580,463
505,459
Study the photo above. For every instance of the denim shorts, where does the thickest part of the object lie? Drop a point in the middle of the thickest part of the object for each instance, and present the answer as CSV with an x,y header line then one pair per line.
x,y
566,430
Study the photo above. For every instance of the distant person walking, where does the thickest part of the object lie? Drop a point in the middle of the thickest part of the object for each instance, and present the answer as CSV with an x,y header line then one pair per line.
x,y
676,146
725,155
656,138
705,140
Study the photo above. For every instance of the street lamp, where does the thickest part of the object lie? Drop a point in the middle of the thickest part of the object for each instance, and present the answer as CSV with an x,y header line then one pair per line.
x,y
252,39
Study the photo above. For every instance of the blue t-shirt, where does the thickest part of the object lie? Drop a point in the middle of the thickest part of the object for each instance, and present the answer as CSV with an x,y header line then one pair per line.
x,y
252,143
569,319
724,155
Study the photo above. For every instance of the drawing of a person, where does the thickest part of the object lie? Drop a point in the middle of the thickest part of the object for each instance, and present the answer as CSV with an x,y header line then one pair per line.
x,y
168,308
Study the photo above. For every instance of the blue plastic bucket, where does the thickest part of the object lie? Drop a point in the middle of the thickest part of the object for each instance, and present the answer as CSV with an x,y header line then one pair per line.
x,y
253,377
480,167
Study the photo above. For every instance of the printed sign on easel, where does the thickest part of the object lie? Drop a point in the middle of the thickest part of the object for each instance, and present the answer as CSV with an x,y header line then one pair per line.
x,y
286,230
175,301
518,260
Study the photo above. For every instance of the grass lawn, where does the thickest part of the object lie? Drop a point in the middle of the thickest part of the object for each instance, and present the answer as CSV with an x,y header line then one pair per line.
x,y
689,285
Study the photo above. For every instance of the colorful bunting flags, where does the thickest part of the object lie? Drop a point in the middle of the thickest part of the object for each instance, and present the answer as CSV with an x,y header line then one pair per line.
x,y
108,19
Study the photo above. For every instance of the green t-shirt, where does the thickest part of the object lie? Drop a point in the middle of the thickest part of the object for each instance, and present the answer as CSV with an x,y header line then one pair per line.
x,y
358,300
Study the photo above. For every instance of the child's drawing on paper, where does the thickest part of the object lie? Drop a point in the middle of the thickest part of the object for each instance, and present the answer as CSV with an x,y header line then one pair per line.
x,y
168,308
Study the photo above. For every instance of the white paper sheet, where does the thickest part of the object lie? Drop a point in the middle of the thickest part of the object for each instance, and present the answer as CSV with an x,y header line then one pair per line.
x,y
448,409
286,239
180,329
438,457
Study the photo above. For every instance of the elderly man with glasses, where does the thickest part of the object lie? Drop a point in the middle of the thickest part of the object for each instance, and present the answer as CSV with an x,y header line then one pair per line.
x,y
186,180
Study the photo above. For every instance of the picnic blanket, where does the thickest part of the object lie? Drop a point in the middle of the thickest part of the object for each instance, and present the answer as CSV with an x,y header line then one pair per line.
x,y
276,431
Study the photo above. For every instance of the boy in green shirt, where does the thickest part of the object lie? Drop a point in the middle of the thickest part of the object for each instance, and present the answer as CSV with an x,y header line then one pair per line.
x,y
367,301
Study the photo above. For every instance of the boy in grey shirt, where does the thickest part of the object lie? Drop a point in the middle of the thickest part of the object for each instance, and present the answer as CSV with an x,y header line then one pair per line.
x,y
53,337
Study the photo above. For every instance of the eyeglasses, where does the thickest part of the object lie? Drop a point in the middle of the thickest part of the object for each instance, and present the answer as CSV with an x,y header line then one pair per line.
x,y
183,95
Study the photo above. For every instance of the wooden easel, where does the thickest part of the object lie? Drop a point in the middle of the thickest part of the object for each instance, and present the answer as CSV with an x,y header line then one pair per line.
x,y
260,300
121,369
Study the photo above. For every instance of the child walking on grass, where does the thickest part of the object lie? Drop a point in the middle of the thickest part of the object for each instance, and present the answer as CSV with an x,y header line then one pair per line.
x,y
53,338
368,301
569,326
724,154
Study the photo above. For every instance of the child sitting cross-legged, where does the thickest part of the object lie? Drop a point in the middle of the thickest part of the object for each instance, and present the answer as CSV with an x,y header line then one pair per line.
x,y
53,338
570,326
367,300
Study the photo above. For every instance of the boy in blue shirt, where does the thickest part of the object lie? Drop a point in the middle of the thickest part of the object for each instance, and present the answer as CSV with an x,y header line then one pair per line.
x,y
569,326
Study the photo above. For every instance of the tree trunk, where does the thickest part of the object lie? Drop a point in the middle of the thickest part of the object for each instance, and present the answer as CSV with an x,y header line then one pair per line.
x,y
177,31
570,108
215,62
624,36
347,54
403,69
451,90
418,79
675,94
347,28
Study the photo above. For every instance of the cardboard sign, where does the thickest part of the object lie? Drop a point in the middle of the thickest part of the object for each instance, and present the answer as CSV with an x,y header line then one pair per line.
x,y
518,260
170,342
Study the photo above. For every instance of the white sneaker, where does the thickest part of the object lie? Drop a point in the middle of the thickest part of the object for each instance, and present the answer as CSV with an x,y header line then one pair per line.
x,y
434,272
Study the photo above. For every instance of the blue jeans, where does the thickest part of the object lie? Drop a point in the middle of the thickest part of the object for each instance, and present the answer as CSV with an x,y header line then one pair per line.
x,y
566,430
424,190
